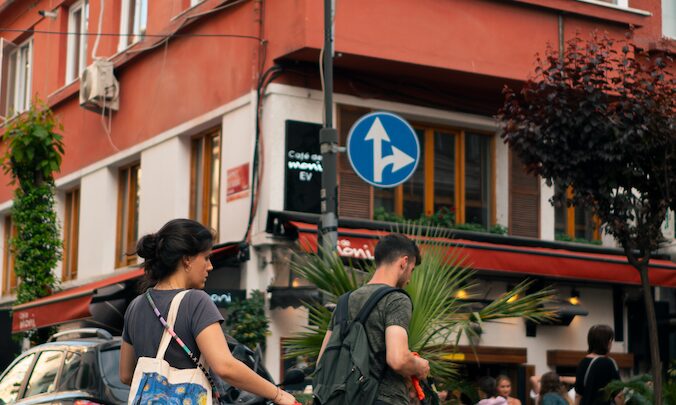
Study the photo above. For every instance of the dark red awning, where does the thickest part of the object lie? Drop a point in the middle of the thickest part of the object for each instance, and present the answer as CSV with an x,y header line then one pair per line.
x,y
522,260
64,306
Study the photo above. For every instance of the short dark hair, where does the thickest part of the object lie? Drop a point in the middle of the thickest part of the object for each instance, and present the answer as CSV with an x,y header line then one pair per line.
x,y
550,382
598,338
488,386
164,250
393,246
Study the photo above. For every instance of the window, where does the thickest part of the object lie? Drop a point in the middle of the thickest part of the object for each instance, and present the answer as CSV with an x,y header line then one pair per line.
x,y
43,377
16,90
127,214
11,383
133,21
68,380
9,279
78,21
205,178
454,173
71,224
575,223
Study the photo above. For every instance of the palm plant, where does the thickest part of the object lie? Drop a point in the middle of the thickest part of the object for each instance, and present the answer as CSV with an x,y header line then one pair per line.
x,y
439,317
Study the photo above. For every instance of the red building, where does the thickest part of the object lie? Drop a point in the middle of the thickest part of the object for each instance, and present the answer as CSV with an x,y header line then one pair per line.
x,y
208,93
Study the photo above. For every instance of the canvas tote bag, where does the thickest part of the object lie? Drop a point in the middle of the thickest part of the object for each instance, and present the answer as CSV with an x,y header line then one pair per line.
x,y
155,381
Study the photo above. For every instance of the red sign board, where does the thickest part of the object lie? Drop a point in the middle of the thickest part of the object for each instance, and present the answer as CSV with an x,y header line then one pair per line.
x,y
238,183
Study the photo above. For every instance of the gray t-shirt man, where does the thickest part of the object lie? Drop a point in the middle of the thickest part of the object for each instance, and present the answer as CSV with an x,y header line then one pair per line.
x,y
143,330
393,310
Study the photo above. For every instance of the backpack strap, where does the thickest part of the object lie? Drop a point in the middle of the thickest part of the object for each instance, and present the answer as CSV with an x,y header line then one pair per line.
x,y
342,314
373,300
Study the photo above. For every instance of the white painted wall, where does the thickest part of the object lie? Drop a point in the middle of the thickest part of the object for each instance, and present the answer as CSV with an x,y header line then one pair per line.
x,y
98,221
165,184
546,212
512,332
238,143
502,182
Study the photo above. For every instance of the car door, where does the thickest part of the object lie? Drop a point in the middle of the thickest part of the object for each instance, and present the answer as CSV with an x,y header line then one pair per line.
x,y
13,380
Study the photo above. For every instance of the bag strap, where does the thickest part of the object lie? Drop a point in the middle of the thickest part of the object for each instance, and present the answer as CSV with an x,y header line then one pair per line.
x,y
169,334
373,300
586,374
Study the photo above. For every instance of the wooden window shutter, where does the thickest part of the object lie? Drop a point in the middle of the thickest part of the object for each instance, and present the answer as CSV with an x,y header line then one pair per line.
x,y
524,200
354,194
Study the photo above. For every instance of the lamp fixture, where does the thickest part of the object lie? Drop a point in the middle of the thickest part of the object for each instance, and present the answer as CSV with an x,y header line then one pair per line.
x,y
574,297
461,294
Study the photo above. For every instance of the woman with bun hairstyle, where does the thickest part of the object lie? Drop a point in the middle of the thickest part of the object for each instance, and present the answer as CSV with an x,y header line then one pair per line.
x,y
176,258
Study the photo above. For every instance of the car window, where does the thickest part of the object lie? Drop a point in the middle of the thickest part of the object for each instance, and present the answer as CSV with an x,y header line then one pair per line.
x,y
110,366
11,382
71,366
43,377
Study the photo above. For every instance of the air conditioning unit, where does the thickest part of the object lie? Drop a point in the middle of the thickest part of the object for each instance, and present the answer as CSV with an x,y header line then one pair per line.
x,y
99,90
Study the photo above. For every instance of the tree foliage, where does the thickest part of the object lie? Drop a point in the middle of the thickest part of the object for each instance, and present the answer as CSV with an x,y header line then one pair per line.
x,y
33,155
247,321
439,317
599,118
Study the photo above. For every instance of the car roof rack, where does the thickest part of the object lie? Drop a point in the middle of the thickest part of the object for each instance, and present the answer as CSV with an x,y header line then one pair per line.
x,y
82,332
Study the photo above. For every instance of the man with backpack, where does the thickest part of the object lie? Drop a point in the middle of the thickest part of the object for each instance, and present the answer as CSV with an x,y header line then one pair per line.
x,y
365,357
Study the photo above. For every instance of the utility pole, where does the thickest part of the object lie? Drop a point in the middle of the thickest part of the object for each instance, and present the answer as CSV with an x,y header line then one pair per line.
x,y
328,141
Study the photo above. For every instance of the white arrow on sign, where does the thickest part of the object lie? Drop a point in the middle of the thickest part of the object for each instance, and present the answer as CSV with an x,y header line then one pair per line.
x,y
398,159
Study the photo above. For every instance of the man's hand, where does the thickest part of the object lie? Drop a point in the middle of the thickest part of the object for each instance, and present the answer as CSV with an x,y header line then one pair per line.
x,y
423,368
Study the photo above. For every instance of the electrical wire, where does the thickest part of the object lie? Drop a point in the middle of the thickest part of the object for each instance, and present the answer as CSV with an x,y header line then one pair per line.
x,y
120,34
98,33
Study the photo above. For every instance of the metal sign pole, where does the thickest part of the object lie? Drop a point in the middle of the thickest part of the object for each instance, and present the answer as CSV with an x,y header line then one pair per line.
x,y
328,141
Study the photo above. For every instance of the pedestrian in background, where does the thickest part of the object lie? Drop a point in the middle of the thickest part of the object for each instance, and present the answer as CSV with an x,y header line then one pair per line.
x,y
596,370
552,391
488,393
177,258
504,385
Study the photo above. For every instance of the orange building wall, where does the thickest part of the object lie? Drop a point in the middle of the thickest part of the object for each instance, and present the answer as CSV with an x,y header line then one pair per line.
x,y
169,85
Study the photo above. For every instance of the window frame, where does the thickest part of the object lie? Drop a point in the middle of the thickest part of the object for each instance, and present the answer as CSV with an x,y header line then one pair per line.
x,y
127,207
134,33
569,221
204,142
71,235
13,103
9,279
73,72
460,179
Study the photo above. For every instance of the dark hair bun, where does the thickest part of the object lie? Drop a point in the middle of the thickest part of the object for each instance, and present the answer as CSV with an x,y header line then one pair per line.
x,y
147,247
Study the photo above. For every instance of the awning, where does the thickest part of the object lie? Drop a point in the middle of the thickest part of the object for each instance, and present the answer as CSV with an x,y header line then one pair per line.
x,y
64,306
503,258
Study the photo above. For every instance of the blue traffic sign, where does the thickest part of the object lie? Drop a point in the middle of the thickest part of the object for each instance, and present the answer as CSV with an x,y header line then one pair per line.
x,y
383,149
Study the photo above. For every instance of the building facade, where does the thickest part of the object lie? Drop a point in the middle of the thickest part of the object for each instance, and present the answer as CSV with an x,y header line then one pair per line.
x,y
219,103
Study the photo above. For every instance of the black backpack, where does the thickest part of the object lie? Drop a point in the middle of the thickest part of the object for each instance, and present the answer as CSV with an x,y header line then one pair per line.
x,y
343,375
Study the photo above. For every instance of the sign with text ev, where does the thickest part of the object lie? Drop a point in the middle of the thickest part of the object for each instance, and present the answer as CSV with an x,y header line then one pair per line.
x,y
383,149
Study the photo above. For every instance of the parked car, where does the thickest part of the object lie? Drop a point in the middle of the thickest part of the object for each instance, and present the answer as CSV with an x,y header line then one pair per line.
x,y
81,370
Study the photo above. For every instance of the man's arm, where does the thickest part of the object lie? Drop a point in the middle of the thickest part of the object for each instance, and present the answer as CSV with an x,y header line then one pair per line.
x,y
399,357
324,343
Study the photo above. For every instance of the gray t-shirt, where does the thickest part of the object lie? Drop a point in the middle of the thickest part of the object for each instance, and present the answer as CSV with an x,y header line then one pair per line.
x,y
143,330
394,309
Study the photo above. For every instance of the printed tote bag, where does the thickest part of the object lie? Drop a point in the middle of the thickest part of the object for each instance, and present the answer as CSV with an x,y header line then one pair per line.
x,y
156,382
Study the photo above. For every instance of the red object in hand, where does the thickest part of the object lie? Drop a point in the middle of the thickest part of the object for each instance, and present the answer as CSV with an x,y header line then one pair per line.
x,y
416,383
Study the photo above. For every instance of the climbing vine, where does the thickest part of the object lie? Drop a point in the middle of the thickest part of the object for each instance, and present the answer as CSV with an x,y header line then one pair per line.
x,y
33,154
